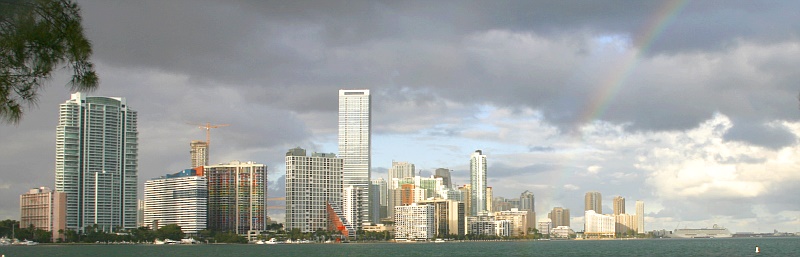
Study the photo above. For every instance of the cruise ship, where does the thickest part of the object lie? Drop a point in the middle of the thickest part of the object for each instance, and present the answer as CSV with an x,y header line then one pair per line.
x,y
714,232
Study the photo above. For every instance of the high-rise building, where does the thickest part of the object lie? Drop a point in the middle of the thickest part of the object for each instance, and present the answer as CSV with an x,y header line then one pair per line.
x,y
527,201
97,162
522,221
199,153
180,198
44,209
559,216
445,175
237,194
477,181
140,213
619,205
489,199
640,217
311,183
593,201
379,199
466,198
355,137
400,170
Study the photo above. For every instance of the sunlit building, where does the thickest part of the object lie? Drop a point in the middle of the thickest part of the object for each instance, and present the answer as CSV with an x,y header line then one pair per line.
x,y
559,216
199,153
594,201
311,183
478,195
355,139
414,222
97,162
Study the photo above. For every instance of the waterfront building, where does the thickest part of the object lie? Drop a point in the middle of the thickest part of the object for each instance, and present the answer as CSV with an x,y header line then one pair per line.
x,y
545,226
640,217
478,195
97,162
521,222
445,175
420,188
44,209
561,232
351,199
355,137
198,153
598,225
619,205
594,201
481,225
624,223
466,198
180,198
449,216
311,183
237,193
559,216
414,222
527,201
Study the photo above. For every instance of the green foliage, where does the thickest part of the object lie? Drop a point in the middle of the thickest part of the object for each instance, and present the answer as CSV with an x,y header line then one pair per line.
x,y
6,227
36,38
229,237
171,231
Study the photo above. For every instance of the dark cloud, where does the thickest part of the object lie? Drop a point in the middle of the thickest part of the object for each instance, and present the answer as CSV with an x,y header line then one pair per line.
x,y
760,134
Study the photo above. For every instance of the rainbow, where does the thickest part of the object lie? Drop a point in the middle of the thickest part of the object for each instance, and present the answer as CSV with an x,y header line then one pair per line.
x,y
642,42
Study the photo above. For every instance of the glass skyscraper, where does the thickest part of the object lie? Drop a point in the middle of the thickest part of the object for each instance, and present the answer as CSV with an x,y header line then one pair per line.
x,y
97,162
477,181
355,133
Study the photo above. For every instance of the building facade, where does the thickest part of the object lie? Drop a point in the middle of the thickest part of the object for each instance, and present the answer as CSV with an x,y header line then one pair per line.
x,y
311,183
237,194
44,209
559,216
180,198
445,175
619,205
599,225
522,222
198,153
414,222
477,179
593,201
449,216
97,162
640,217
527,201
355,139
378,199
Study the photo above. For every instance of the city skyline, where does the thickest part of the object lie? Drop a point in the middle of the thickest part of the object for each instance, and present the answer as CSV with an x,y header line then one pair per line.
x,y
684,105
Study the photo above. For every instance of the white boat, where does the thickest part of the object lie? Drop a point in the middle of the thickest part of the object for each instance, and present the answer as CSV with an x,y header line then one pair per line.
x,y
438,240
272,241
260,242
26,242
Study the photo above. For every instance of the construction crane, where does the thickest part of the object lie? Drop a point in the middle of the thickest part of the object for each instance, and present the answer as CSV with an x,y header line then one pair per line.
x,y
208,128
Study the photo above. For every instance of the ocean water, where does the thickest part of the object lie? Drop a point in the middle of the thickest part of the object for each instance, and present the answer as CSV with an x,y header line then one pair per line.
x,y
647,247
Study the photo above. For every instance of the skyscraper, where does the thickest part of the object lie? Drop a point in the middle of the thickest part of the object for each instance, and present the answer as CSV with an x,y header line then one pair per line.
x,y
379,199
97,162
593,201
237,194
311,183
477,181
355,137
640,217
526,201
619,205
400,170
559,216
180,198
199,153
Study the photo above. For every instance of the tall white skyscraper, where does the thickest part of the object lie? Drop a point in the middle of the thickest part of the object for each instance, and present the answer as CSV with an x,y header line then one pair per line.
x,y
355,133
312,182
477,181
97,162
640,217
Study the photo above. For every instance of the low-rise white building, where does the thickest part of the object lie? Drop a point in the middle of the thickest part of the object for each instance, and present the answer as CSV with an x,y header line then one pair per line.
x,y
561,232
599,225
180,198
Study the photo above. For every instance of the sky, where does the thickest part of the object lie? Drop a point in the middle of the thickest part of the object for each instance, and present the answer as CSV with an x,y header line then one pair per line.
x,y
689,106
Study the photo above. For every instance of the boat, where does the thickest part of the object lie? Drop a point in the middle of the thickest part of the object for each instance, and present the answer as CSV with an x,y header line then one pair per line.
x,y
272,241
438,240
29,243
715,231
260,242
